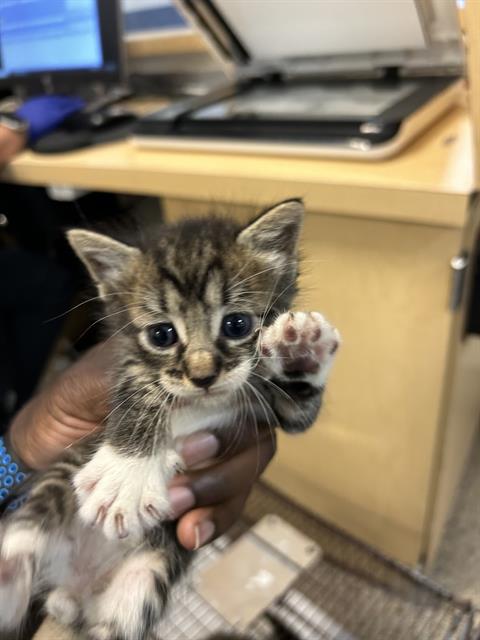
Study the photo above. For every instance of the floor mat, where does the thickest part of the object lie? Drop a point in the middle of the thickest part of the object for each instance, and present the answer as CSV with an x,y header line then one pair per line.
x,y
352,593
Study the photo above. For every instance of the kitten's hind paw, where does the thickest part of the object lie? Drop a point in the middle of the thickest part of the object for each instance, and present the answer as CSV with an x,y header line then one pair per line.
x,y
62,606
300,346
16,575
101,632
21,547
133,603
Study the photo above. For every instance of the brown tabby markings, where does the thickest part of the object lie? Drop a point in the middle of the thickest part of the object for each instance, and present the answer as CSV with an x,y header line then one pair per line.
x,y
192,275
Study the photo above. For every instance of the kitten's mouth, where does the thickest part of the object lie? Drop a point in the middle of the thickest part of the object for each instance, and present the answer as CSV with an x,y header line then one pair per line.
x,y
205,393
186,395
225,386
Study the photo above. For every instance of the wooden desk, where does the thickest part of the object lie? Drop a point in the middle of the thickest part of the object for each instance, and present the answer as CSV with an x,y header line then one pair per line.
x,y
403,403
430,182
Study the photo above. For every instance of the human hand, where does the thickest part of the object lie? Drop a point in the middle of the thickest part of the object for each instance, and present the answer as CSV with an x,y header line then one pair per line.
x,y
207,498
45,113
73,406
11,143
221,470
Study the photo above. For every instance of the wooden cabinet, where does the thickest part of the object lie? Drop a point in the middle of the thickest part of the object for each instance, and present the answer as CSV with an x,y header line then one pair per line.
x,y
403,401
386,456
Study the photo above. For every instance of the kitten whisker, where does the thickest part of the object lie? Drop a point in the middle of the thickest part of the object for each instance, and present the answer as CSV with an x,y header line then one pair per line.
x,y
126,325
105,295
125,400
268,412
279,389
272,303
238,433
164,396
235,285
110,315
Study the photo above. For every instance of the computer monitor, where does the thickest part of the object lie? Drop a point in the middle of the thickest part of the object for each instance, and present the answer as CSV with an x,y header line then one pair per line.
x,y
59,41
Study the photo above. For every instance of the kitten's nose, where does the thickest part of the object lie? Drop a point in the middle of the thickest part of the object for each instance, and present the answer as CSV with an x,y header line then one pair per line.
x,y
202,367
203,383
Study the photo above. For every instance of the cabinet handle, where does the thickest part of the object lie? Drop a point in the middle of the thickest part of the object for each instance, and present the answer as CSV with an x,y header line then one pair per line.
x,y
459,266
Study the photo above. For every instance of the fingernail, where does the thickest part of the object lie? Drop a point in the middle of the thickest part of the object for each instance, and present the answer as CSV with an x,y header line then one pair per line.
x,y
203,533
181,500
199,448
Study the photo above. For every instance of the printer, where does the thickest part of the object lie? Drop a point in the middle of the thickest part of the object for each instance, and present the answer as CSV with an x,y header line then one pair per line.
x,y
334,78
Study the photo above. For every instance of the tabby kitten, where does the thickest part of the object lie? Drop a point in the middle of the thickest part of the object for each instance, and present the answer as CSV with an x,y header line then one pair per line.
x,y
202,337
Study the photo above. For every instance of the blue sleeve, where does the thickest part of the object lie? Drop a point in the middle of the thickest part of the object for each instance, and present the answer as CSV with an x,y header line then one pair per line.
x,y
12,474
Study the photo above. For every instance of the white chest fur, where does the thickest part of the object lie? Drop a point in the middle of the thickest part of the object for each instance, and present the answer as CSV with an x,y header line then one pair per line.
x,y
187,420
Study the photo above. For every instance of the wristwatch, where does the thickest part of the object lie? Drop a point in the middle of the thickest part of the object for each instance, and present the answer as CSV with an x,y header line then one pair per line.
x,y
13,122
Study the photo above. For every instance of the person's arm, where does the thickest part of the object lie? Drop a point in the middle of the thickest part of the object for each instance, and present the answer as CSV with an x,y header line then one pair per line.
x,y
11,143
206,500
39,115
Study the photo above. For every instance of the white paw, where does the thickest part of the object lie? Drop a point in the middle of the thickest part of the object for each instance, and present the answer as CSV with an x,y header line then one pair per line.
x,y
300,345
101,632
23,541
173,463
123,495
16,575
62,606
133,600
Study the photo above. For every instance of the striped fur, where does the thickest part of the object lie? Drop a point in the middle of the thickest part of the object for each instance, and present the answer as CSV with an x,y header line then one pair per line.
x,y
93,538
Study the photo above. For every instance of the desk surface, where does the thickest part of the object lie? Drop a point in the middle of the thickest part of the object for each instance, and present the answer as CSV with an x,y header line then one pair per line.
x,y
430,182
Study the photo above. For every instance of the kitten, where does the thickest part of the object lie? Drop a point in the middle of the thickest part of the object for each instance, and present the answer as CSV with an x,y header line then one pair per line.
x,y
202,338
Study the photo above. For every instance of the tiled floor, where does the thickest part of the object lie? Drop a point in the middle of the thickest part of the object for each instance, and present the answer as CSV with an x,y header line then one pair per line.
x,y
457,568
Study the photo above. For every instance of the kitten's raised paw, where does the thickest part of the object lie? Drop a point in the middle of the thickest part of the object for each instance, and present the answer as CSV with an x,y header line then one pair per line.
x,y
123,495
300,346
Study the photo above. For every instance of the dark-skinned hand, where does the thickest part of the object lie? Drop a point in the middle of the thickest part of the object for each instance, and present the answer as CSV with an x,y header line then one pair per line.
x,y
220,468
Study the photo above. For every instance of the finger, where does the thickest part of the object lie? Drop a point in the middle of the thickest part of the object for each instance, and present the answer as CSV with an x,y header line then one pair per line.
x,y
222,482
243,438
198,448
200,526
83,390
204,446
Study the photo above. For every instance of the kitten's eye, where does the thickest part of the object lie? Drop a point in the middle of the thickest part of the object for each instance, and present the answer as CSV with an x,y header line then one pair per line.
x,y
237,325
162,335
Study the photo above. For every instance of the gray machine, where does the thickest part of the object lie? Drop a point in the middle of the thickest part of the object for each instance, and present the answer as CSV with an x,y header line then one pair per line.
x,y
316,78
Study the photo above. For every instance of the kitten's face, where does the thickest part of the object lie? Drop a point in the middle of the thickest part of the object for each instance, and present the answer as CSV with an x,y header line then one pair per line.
x,y
188,308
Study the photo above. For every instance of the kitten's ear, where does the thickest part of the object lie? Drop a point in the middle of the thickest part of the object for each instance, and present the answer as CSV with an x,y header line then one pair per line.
x,y
275,232
106,259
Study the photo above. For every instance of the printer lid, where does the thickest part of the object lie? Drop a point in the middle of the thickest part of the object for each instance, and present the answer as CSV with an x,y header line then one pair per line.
x,y
332,36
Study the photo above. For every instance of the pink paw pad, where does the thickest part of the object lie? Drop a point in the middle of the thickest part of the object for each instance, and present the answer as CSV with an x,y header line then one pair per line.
x,y
300,343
